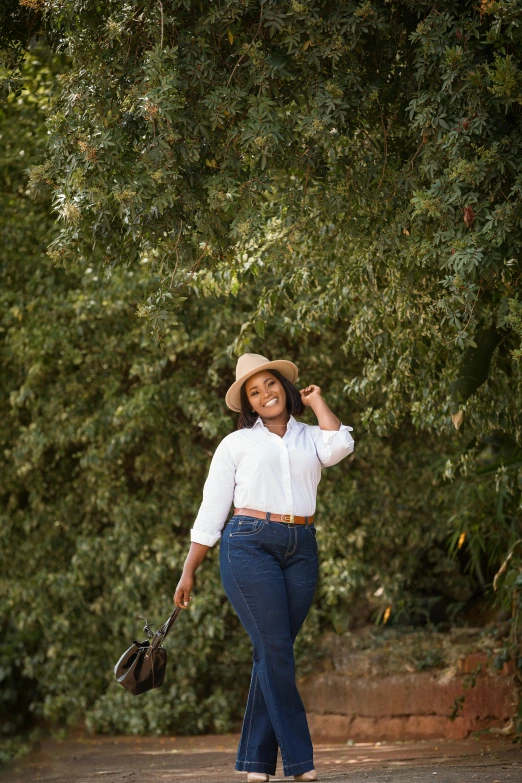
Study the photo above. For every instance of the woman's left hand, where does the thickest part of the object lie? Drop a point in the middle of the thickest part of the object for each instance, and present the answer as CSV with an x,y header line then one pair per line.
x,y
310,394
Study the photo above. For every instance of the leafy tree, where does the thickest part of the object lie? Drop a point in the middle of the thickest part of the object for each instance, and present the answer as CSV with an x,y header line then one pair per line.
x,y
367,154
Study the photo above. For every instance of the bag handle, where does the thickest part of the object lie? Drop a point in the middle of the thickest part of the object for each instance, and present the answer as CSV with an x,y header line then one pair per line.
x,y
161,633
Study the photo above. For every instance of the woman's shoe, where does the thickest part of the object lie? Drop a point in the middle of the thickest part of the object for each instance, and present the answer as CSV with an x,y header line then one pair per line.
x,y
311,775
256,777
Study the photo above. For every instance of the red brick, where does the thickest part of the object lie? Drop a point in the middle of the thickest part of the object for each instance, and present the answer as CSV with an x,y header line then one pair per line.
x,y
492,697
363,728
435,727
341,728
390,729
408,694
470,663
329,728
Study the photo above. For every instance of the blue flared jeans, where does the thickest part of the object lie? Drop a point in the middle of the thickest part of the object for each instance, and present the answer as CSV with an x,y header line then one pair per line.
x,y
269,572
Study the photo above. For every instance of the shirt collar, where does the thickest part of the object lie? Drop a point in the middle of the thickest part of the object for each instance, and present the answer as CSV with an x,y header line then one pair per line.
x,y
292,423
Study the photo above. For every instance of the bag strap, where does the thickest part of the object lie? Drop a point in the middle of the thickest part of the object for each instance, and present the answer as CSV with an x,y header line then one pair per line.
x,y
161,633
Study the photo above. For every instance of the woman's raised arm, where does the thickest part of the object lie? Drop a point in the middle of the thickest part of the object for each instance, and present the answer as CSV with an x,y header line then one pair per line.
x,y
332,439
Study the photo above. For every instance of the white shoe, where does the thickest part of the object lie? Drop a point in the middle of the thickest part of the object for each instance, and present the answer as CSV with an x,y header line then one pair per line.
x,y
257,777
311,775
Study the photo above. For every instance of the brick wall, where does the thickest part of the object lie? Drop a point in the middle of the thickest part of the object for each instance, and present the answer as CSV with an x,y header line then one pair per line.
x,y
365,704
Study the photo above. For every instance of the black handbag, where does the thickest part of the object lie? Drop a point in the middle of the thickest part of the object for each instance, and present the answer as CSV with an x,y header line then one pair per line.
x,y
142,667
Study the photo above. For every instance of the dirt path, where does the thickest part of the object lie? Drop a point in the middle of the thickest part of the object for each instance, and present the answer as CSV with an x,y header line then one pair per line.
x,y
211,759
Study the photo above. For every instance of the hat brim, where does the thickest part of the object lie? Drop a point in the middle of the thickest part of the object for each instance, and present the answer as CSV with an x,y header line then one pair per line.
x,y
285,367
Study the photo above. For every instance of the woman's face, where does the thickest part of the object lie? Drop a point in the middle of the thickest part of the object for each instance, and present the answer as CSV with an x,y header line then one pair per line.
x,y
265,394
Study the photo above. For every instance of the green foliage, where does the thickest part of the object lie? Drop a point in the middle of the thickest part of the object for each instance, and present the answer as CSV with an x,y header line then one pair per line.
x,y
365,156
20,21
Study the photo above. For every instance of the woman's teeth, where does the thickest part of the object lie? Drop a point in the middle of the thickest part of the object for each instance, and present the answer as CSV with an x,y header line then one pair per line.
x,y
271,403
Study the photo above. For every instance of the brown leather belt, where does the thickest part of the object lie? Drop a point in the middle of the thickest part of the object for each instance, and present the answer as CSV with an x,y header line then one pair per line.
x,y
291,518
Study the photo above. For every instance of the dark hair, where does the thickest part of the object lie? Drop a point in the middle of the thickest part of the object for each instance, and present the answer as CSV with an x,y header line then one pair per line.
x,y
294,404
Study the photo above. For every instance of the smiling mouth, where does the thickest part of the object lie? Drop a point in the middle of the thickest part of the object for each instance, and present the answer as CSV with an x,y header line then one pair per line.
x,y
271,402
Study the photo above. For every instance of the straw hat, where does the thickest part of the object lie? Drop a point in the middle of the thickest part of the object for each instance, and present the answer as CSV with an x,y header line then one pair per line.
x,y
250,363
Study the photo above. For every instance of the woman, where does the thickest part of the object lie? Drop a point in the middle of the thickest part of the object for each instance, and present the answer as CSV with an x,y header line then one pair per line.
x,y
270,468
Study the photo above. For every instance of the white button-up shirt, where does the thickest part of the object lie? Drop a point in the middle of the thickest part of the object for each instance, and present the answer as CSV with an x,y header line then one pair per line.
x,y
257,469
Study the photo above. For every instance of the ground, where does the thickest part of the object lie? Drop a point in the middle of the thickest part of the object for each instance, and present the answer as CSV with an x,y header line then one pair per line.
x,y
211,759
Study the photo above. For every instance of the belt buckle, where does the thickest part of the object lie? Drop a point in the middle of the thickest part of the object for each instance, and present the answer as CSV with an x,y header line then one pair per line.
x,y
287,518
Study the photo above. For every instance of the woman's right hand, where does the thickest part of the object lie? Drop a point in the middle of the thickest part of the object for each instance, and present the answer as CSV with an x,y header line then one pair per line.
x,y
183,590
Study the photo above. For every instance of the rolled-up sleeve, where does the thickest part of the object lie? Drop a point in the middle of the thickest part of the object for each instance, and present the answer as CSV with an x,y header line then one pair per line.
x,y
218,494
333,445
